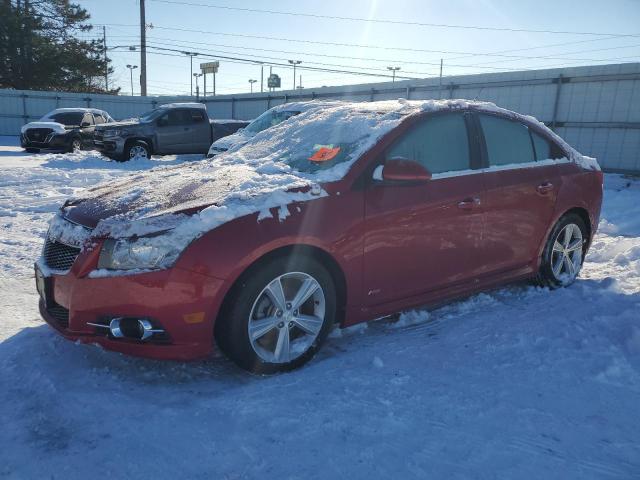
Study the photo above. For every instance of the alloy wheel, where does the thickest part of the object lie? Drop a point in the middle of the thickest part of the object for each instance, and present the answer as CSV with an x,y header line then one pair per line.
x,y
286,317
137,151
566,255
76,145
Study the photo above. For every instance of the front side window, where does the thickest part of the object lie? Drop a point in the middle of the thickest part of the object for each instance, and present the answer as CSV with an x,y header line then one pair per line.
x,y
439,143
99,119
88,118
507,142
178,117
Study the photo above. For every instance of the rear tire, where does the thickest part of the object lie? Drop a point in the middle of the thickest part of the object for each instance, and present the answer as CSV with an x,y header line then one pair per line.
x,y
265,332
563,253
32,150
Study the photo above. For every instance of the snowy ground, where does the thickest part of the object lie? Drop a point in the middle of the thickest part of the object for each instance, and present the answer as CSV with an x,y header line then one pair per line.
x,y
516,383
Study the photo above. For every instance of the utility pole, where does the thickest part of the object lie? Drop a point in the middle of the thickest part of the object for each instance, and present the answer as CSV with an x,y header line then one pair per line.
x,y
197,75
261,77
143,51
394,70
191,54
251,82
106,63
131,69
294,63
440,87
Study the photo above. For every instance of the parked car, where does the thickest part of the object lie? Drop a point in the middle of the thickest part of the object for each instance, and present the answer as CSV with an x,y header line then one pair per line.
x,y
168,129
337,216
268,119
64,129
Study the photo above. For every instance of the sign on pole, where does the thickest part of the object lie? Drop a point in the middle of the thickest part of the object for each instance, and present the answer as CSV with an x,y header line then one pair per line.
x,y
210,67
273,81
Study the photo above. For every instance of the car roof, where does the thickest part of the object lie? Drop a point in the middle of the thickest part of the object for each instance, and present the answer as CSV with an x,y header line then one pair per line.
x,y
77,110
184,105
308,105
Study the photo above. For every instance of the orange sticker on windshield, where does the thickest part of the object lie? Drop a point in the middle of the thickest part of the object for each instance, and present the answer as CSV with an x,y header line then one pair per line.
x,y
324,154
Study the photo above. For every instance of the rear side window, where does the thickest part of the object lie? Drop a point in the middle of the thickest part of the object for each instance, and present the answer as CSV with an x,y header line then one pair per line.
x,y
440,143
545,149
507,142
197,116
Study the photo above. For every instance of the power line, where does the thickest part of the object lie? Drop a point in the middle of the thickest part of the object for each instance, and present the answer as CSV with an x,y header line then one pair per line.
x,y
404,62
395,22
355,45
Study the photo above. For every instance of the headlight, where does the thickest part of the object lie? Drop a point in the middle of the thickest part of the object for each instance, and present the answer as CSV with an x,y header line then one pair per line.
x,y
142,253
116,132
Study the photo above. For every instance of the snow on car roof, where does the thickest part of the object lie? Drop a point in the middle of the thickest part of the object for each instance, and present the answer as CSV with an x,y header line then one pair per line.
x,y
184,105
75,109
260,175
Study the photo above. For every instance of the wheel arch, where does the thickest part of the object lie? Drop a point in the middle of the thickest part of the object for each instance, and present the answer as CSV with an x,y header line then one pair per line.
x,y
146,140
582,212
288,251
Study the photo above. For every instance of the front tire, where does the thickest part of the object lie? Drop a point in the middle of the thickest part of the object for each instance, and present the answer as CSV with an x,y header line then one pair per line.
x,y
563,253
278,315
32,150
76,145
137,150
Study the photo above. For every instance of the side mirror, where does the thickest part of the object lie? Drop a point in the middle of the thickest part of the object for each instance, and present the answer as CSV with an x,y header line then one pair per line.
x,y
403,170
85,124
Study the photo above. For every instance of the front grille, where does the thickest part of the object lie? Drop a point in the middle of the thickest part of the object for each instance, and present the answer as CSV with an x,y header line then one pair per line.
x,y
59,314
59,256
38,134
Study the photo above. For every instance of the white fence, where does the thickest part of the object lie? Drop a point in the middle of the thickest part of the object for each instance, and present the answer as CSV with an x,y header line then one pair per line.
x,y
596,108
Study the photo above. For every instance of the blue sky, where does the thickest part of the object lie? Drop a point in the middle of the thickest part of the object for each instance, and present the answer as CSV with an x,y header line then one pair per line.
x,y
231,33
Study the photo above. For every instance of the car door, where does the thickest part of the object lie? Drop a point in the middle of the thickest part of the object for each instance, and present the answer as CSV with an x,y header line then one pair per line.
x,y
87,128
174,131
522,183
201,131
424,236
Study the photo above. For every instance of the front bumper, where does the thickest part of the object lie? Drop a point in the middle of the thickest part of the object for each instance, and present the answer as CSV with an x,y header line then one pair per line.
x,y
184,303
109,145
51,142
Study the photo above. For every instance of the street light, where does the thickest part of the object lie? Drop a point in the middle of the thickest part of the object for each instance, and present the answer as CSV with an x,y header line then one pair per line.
x,y
251,82
131,68
191,54
394,70
197,75
294,63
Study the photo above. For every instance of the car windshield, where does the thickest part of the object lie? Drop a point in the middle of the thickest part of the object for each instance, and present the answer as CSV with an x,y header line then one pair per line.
x,y
152,114
66,118
269,119
318,141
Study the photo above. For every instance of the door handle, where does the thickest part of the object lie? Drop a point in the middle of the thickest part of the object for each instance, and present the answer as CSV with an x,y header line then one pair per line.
x,y
544,188
469,203
186,129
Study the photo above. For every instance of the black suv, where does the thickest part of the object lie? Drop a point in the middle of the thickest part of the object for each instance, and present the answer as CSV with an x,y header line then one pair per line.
x,y
64,129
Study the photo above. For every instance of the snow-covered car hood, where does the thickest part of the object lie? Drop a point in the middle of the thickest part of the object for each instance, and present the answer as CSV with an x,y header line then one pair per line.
x,y
55,126
124,123
235,139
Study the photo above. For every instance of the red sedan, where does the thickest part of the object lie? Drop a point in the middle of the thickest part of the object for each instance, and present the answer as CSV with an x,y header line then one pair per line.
x,y
340,215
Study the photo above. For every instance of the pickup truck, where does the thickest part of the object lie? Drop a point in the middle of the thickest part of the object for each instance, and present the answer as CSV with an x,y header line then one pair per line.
x,y
168,129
